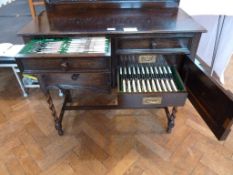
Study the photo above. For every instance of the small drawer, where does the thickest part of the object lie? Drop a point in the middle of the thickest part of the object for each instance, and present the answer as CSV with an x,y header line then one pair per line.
x,y
37,65
78,80
153,45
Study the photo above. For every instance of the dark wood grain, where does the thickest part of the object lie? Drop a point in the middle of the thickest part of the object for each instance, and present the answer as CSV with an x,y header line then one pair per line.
x,y
61,5
78,80
153,43
213,103
47,64
96,22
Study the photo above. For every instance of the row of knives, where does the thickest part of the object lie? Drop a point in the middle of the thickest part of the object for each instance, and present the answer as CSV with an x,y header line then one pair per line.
x,y
140,78
48,47
87,44
75,45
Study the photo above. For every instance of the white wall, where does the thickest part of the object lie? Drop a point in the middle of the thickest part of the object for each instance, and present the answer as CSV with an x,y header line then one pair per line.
x,y
206,12
206,46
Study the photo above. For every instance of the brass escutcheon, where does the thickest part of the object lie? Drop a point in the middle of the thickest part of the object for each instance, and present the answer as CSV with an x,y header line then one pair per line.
x,y
147,58
152,100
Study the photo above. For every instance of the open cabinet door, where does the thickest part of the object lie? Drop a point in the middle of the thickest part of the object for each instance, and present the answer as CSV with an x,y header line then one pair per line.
x,y
213,102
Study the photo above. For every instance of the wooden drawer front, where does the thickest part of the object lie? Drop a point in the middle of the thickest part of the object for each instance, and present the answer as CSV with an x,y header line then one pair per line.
x,y
37,65
76,80
160,45
152,99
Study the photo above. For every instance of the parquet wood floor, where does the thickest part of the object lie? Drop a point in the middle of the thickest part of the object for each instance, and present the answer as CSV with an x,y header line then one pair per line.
x,y
121,142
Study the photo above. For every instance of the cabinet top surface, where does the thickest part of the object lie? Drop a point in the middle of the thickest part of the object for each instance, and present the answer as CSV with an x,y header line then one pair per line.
x,y
111,22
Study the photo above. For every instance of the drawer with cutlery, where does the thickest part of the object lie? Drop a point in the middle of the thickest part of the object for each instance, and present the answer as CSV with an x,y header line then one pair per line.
x,y
149,81
65,55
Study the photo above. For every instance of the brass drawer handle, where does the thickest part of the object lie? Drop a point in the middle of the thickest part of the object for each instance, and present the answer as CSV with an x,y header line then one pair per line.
x,y
65,65
74,77
153,44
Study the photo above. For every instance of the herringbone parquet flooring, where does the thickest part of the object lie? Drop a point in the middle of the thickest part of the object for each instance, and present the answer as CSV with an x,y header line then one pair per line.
x,y
114,142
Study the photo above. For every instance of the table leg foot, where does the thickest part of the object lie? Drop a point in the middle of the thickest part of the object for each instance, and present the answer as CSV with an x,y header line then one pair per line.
x,y
170,119
58,127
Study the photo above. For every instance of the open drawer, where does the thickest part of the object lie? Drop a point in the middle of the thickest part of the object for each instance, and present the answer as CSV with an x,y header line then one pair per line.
x,y
146,85
83,54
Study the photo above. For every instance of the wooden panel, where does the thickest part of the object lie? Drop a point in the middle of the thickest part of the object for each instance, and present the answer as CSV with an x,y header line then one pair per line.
x,y
213,103
153,43
46,64
76,80
149,44
84,22
60,5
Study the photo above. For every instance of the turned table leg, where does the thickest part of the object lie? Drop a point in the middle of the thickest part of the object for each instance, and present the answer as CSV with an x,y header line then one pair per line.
x,y
170,118
57,120
67,98
67,94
